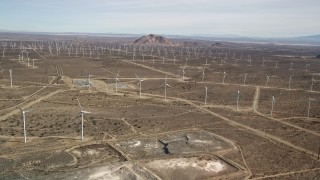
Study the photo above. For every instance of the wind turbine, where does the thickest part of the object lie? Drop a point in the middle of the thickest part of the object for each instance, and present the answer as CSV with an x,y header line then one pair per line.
x,y
10,71
309,106
224,76
312,83
245,78
203,74
27,54
33,63
290,79
249,59
183,72
24,123
291,64
272,105
206,96
238,97
268,78
117,80
174,60
165,88
307,65
89,81
82,113
139,84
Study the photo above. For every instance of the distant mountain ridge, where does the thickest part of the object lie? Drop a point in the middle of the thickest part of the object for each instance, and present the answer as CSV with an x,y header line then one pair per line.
x,y
306,40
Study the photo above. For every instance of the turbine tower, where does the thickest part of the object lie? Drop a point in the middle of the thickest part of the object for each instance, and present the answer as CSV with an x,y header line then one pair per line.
x,y
206,96
312,83
245,78
24,123
139,84
203,73
82,113
224,76
272,105
309,106
268,78
10,71
290,79
165,88
117,80
238,97
89,81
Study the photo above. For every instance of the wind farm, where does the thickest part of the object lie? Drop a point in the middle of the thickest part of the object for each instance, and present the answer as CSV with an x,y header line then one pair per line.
x,y
158,108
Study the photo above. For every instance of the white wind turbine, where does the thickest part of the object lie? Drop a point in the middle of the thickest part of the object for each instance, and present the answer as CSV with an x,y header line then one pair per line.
x,y
307,65
174,60
33,63
27,54
89,81
117,80
24,123
290,79
165,88
10,71
238,97
183,73
224,76
203,74
268,78
206,96
139,84
272,105
291,64
250,60
245,78
309,106
82,113
312,83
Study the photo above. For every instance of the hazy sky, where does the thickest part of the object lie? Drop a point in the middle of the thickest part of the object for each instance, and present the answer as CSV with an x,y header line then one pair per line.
x,y
268,18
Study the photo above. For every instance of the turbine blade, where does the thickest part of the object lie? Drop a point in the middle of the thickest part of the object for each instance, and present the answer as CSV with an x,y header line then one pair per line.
x,y
86,112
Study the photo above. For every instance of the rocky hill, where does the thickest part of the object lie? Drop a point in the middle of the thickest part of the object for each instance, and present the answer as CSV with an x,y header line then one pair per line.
x,y
153,39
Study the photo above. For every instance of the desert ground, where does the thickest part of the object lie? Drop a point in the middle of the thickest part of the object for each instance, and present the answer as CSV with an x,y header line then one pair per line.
x,y
158,109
